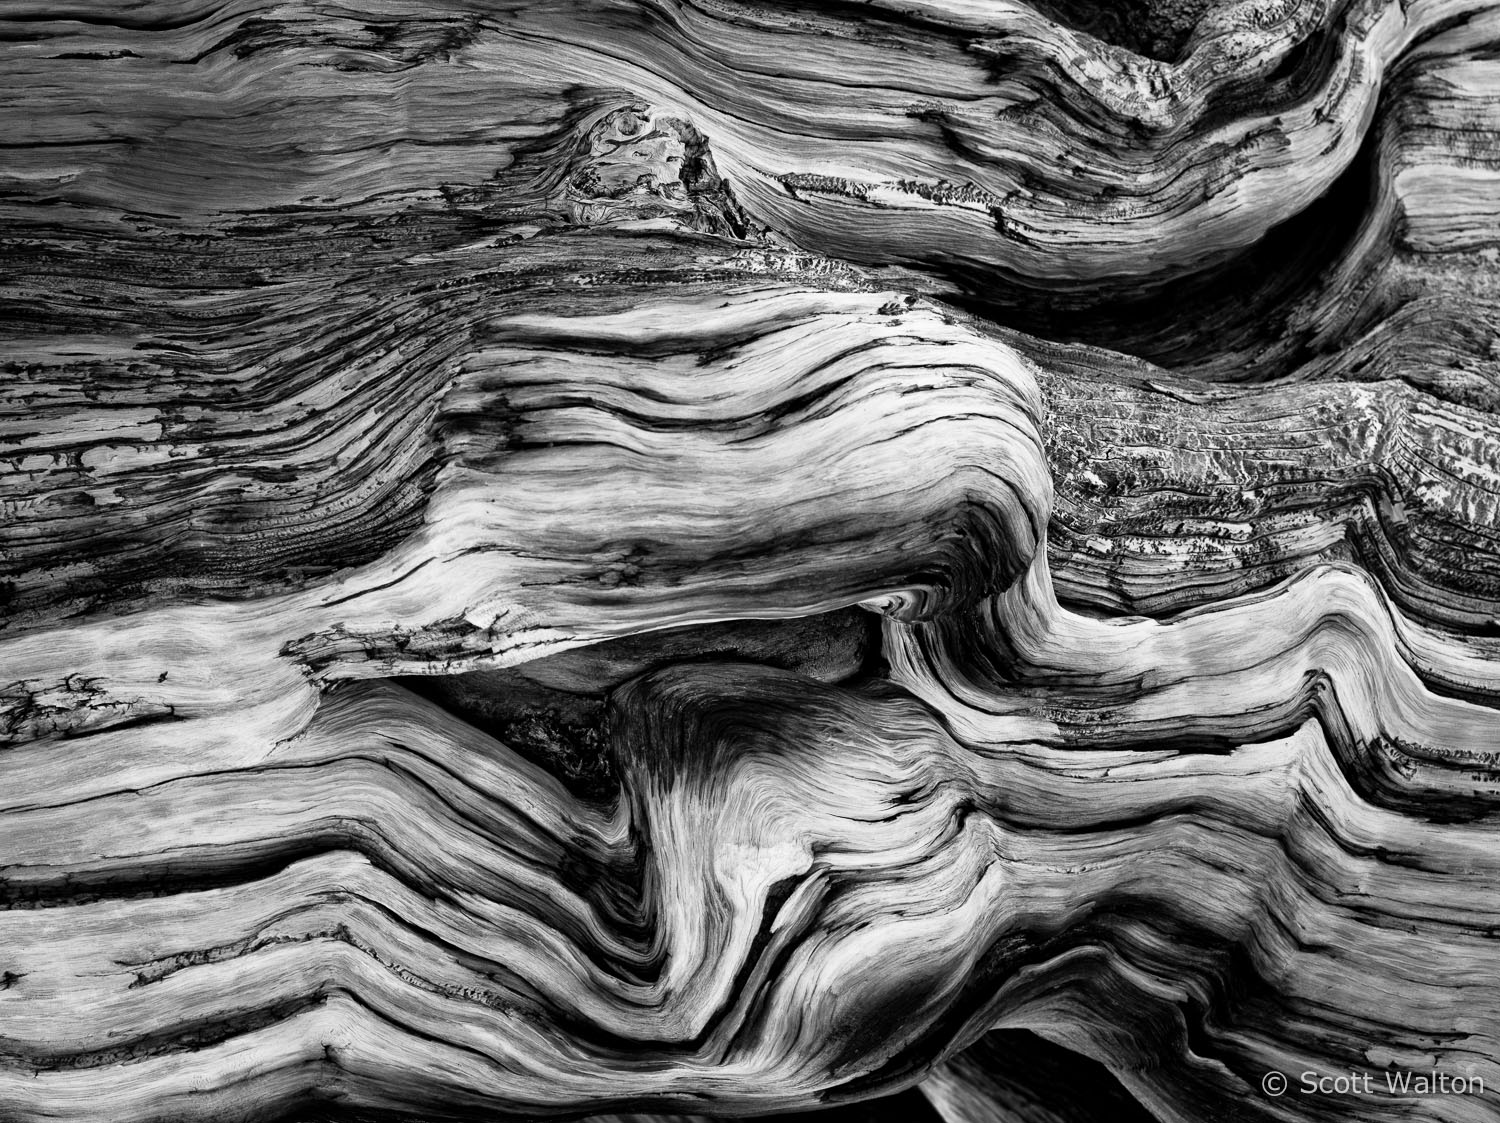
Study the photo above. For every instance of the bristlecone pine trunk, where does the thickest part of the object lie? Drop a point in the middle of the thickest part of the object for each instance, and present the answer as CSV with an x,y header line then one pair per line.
x,y
921,558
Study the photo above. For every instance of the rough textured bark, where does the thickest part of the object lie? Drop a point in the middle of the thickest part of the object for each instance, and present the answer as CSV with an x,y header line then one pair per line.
x,y
742,558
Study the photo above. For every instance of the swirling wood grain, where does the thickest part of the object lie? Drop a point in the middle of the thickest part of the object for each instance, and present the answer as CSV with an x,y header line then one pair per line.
x,y
735,559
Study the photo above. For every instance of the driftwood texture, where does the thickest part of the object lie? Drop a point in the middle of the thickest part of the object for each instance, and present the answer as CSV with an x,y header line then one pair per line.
x,y
711,557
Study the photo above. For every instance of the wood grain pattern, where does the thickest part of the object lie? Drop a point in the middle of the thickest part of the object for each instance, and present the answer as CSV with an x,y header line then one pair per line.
x,y
636,559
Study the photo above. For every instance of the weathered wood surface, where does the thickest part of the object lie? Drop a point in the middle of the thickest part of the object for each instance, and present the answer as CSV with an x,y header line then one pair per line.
x,y
733,559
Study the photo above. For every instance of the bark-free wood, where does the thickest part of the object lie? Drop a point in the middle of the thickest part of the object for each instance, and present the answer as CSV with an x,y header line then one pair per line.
x,y
730,559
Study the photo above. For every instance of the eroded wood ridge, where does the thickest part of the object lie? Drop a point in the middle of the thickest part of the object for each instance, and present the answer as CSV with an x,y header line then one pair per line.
x,y
922,560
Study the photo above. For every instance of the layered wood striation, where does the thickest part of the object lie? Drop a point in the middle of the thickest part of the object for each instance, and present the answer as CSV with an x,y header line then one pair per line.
x,y
594,558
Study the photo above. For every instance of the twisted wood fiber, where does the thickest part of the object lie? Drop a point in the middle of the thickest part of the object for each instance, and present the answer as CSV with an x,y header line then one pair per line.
x,y
728,558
